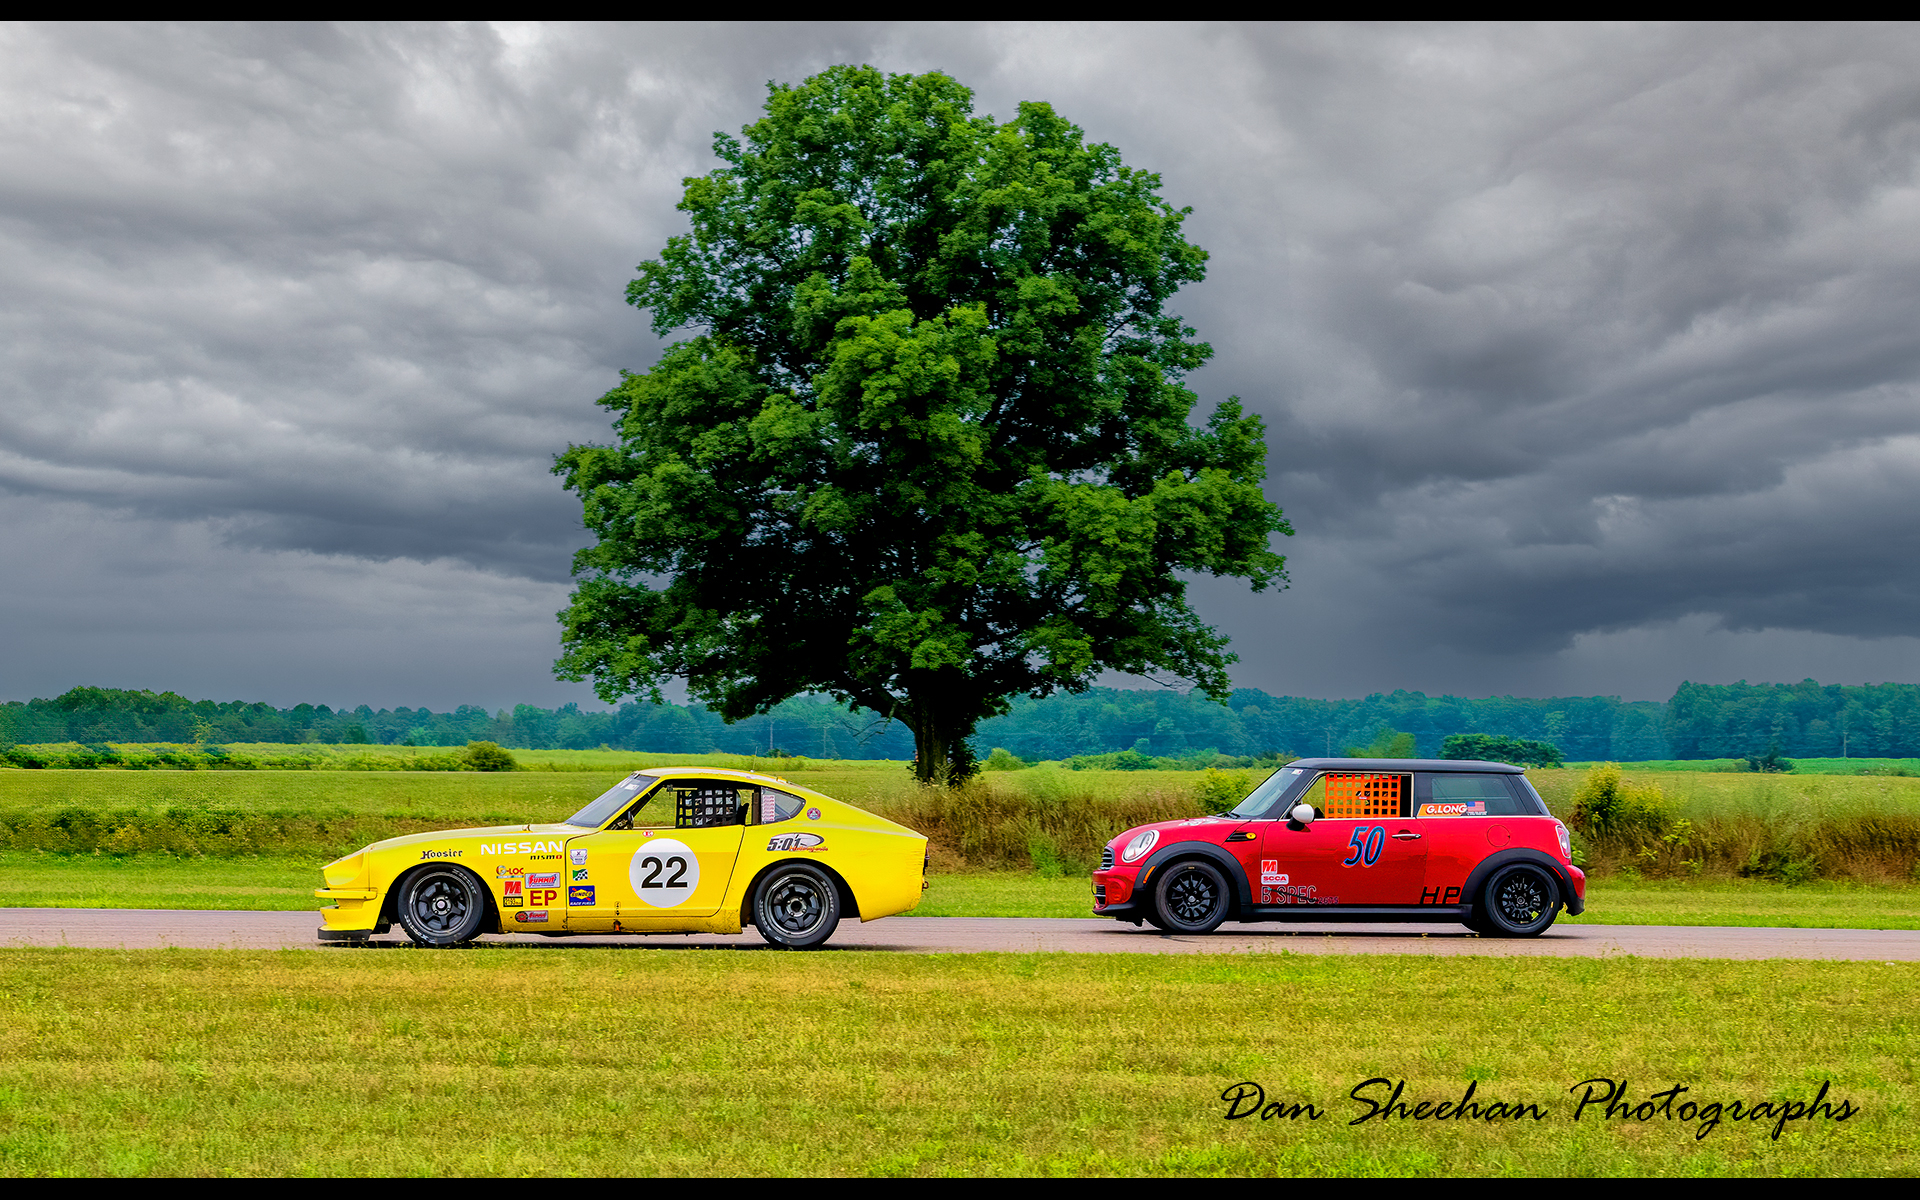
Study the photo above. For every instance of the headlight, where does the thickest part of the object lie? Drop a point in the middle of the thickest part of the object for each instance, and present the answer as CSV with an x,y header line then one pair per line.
x,y
1138,847
346,872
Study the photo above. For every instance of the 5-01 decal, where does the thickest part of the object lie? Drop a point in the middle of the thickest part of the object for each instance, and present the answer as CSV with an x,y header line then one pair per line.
x,y
1366,844
664,873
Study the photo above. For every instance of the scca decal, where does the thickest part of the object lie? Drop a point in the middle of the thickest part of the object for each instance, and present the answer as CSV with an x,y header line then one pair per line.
x,y
520,847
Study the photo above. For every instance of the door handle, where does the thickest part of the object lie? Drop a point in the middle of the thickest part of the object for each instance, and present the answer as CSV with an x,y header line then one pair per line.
x,y
1404,836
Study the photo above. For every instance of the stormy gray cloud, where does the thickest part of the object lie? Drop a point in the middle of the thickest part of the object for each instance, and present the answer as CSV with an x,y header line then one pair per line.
x,y
1587,354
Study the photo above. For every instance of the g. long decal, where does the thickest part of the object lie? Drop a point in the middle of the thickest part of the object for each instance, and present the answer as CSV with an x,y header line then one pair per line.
x,y
664,872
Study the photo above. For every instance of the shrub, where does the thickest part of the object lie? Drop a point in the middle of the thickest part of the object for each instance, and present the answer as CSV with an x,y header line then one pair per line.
x,y
1003,760
1220,790
1607,807
487,756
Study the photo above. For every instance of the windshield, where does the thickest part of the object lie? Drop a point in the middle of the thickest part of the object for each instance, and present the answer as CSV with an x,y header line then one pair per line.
x,y
611,801
1267,794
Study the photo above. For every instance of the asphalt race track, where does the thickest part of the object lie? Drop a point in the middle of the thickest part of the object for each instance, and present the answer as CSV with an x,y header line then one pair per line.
x,y
135,929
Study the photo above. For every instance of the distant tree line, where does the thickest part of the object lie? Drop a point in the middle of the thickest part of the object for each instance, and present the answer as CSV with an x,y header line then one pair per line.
x,y
1701,721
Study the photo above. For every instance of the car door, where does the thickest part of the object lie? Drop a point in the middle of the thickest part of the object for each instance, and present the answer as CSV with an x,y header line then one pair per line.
x,y
644,872
1365,850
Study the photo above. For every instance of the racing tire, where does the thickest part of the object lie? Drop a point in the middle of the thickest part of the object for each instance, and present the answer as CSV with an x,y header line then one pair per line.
x,y
442,906
796,907
1520,900
1190,898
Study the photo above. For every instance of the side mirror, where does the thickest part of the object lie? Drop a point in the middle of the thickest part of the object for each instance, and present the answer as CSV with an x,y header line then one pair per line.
x,y
1302,814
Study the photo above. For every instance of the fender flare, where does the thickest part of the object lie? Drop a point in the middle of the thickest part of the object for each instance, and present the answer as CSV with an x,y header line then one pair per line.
x,y
849,906
1217,855
1477,878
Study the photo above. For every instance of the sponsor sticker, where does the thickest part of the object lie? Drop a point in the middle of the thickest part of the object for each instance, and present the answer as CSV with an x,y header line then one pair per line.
x,y
813,814
796,841
508,872
579,874
580,897
1270,872
425,854
543,879
543,848
1475,808
513,888
531,917
577,857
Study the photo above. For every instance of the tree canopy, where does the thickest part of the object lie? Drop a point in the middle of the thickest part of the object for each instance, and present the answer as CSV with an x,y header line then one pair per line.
x,y
925,444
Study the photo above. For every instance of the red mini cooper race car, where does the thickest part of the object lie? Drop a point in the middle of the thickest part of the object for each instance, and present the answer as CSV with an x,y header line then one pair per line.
x,y
1354,839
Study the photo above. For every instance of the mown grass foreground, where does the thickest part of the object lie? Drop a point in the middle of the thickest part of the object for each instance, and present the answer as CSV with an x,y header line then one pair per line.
x,y
650,1061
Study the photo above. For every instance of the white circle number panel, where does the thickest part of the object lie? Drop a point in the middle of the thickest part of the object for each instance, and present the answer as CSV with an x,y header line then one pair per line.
x,y
664,872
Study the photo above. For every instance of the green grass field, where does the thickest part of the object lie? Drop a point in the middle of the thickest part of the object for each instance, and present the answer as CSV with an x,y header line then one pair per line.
x,y
1013,843
551,1061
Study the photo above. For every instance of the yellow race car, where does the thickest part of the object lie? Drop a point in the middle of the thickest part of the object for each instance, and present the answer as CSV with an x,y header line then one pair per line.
x,y
665,850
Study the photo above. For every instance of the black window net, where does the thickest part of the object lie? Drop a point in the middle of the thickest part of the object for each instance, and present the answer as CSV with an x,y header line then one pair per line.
x,y
700,807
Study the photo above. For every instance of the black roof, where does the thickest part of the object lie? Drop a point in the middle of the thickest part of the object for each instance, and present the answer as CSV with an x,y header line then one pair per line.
x,y
1405,764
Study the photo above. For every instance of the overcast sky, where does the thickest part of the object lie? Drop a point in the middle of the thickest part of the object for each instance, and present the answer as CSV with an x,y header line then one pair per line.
x,y
1589,356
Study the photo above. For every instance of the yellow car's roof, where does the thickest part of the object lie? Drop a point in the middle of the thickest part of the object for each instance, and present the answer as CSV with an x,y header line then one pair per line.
x,y
714,773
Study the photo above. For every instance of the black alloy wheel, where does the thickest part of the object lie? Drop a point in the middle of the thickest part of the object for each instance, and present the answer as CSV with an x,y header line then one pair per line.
x,y
1520,900
1190,897
442,906
797,907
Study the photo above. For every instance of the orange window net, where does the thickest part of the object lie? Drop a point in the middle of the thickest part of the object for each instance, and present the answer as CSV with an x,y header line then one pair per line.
x,y
1358,795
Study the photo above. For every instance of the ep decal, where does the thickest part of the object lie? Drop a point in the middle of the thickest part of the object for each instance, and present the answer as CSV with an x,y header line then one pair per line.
x,y
664,873
1366,844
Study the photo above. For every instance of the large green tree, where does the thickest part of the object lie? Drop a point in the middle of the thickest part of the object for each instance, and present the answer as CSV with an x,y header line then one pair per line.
x,y
925,444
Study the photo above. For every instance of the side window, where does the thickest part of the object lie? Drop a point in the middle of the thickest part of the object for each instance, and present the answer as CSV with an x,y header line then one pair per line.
x,y
1474,796
703,803
1361,794
776,806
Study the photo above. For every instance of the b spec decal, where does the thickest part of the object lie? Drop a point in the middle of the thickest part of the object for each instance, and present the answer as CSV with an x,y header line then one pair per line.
x,y
795,841
1477,808
531,917
580,897
521,848
1294,893
425,854
664,872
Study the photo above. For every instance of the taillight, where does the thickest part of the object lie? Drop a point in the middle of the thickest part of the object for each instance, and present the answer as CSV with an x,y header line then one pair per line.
x,y
1566,841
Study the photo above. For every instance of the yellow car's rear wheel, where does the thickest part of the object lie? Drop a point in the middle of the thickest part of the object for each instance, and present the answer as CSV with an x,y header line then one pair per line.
x,y
797,906
441,906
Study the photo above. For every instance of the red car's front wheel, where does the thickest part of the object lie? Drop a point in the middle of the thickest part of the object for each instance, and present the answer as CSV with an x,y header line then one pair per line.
x,y
1190,897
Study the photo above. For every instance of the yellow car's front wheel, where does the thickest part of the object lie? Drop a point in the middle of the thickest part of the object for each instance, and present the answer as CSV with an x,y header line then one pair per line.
x,y
441,906
797,906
